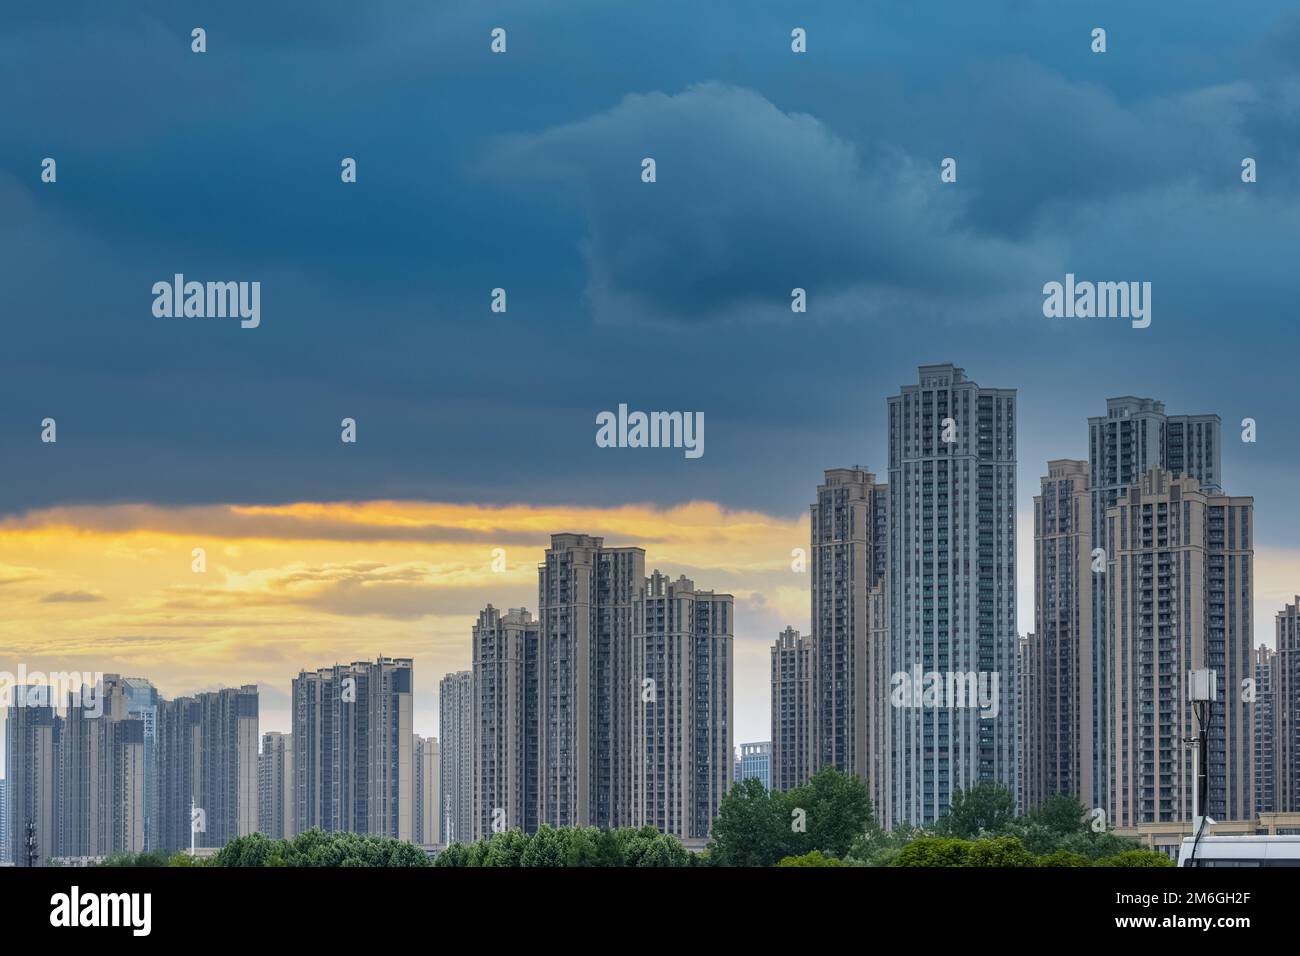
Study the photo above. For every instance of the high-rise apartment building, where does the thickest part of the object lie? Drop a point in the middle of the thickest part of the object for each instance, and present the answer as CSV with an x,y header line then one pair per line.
x,y
4,823
102,774
142,704
456,756
1029,726
427,816
952,588
1134,436
1286,707
1059,759
849,532
505,771
587,702
275,786
1179,582
681,683
228,763
792,710
352,740
177,753
32,744
1267,663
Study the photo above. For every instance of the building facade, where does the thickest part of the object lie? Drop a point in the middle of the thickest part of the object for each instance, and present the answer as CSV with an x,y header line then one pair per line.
x,y
848,537
352,739
952,587
792,710
681,683
32,747
1266,667
1134,436
227,789
1286,710
427,816
456,756
505,771
1179,584
102,772
1059,755
275,787
754,762
587,704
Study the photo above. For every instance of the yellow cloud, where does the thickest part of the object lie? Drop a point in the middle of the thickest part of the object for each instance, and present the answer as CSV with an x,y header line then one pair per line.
x,y
309,583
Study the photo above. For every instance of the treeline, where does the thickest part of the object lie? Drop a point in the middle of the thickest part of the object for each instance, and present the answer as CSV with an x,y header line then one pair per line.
x,y
309,848
571,846
829,821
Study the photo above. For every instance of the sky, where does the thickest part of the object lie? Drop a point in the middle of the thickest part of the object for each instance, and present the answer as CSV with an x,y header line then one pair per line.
x,y
522,171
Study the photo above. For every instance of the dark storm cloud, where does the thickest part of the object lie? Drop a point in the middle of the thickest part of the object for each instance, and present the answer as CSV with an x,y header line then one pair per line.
x,y
522,171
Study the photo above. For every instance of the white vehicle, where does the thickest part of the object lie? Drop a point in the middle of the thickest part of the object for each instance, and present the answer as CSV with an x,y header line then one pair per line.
x,y
1241,851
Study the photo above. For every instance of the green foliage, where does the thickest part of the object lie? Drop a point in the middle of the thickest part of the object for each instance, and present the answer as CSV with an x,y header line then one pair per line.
x,y
837,810
150,858
548,847
1135,858
316,848
934,851
1061,815
815,858
986,808
752,828
1064,858
952,851
570,847
877,847
757,828
999,851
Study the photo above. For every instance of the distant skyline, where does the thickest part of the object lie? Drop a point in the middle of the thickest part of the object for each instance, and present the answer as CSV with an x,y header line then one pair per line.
x,y
522,171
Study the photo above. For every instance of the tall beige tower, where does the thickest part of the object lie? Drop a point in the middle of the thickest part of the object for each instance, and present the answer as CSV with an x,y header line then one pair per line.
x,y
848,526
1286,711
1058,734
1179,583
792,710
505,770
587,703
427,818
275,786
683,686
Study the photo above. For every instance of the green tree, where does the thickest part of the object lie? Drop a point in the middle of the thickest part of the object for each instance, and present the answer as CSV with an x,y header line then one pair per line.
x,y
752,827
999,851
877,847
506,849
546,847
1064,858
1135,858
1062,814
456,854
934,851
649,847
815,858
984,808
837,810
